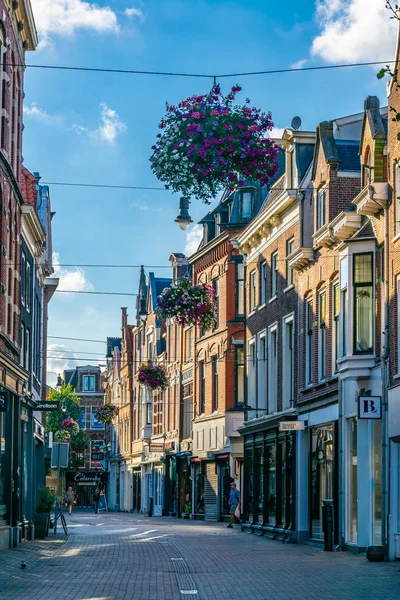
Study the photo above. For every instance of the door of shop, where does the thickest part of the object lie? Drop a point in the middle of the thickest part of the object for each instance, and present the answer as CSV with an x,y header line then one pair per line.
x,y
323,476
211,492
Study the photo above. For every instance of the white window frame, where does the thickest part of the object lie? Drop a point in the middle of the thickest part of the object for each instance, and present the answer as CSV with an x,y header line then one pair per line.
x,y
273,362
262,396
274,274
83,383
309,341
252,374
322,335
188,337
287,363
253,287
263,283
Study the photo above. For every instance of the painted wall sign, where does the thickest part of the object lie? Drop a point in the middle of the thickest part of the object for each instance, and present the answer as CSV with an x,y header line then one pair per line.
x,y
291,426
369,407
3,401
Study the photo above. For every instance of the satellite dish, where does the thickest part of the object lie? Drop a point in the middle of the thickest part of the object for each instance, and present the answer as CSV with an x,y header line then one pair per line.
x,y
296,123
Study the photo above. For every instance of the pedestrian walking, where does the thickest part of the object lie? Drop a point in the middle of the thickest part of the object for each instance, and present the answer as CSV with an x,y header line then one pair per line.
x,y
96,501
234,503
70,499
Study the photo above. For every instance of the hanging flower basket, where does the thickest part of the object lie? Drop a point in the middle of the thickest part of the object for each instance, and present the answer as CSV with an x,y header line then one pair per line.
x,y
208,143
152,376
70,425
62,436
188,303
106,413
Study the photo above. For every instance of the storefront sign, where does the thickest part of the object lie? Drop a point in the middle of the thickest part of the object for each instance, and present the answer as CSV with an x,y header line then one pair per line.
x,y
156,447
47,406
291,426
186,446
3,401
97,453
170,445
369,407
87,477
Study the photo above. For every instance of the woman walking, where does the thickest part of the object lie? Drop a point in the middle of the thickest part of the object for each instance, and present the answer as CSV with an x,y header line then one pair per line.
x,y
96,501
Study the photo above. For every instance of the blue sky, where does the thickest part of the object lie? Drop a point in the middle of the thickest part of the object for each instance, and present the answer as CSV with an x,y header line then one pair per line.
x,y
99,128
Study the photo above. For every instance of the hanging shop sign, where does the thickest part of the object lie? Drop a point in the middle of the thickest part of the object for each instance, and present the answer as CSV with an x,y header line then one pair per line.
x,y
82,477
156,447
3,401
369,407
291,426
47,406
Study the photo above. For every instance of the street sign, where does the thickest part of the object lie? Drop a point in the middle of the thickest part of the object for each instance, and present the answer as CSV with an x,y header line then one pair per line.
x,y
369,407
3,401
291,425
59,455
48,406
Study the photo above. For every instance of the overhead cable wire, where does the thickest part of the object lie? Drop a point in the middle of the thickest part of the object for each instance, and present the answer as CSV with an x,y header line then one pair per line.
x,y
97,293
58,337
214,76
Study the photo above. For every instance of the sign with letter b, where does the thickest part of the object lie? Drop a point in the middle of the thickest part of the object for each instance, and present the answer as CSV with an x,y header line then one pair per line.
x,y
369,407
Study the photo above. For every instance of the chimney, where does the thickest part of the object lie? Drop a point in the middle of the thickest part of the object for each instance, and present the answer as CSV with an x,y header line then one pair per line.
x,y
124,320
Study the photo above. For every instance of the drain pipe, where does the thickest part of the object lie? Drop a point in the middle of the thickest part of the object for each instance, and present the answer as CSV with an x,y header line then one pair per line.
x,y
384,378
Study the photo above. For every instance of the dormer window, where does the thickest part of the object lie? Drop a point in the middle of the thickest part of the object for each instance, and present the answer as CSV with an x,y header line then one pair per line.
x,y
217,224
246,204
321,208
367,168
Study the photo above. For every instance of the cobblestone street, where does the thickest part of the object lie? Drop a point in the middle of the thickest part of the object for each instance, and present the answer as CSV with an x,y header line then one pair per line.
x,y
120,556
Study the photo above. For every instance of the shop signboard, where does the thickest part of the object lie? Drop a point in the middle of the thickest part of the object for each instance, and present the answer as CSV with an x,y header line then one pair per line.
x,y
291,426
47,406
369,407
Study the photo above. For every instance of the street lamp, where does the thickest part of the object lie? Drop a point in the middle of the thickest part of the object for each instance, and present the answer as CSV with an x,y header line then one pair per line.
x,y
183,219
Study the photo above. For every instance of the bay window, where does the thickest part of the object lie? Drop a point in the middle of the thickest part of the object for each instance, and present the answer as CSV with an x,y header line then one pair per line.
x,y
363,303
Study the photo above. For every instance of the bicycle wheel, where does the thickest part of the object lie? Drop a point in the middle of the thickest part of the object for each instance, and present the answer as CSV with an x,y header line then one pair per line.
x,y
64,524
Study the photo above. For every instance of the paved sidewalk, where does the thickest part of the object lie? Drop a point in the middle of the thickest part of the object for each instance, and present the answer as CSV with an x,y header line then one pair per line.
x,y
119,556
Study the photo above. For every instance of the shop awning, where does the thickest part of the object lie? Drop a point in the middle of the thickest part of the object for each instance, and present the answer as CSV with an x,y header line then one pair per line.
x,y
197,460
222,456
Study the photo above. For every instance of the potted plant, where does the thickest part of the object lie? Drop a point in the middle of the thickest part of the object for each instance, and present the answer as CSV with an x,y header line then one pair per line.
x,y
106,413
152,376
42,512
208,144
62,436
188,303
70,425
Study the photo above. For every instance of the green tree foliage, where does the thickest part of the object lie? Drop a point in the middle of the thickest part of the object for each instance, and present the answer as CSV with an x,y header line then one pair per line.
x,y
79,442
67,395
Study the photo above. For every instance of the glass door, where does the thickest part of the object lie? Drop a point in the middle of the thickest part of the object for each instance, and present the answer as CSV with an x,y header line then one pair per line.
x,y
322,477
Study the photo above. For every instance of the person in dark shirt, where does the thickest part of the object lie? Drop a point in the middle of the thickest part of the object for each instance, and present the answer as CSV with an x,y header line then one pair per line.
x,y
96,501
234,503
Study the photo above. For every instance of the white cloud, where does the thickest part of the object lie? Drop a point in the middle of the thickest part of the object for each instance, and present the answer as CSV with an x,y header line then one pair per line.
x,y
70,279
354,31
193,239
109,129
58,362
299,64
133,13
36,112
65,17
140,204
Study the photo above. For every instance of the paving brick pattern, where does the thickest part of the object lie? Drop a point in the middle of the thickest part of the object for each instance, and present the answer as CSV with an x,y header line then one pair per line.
x,y
120,557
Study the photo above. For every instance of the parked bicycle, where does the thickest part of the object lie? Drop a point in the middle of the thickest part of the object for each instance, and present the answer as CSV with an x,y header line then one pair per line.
x,y
60,516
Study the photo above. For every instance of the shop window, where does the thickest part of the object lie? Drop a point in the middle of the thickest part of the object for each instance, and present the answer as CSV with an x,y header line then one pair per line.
x,y
363,303
273,369
288,363
283,448
250,483
274,274
240,374
251,376
321,208
260,484
377,482
322,336
252,291
262,375
3,466
352,470
240,289
272,485
263,283
309,341
289,271
335,321
322,482
202,387
214,366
